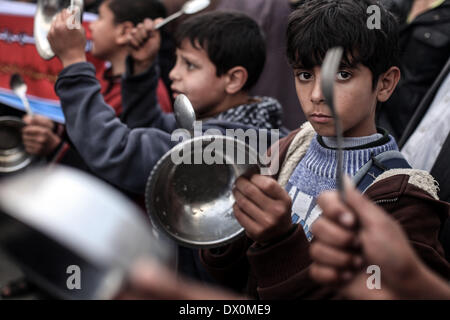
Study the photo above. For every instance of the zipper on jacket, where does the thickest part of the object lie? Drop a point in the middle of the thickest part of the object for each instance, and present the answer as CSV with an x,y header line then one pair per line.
x,y
382,201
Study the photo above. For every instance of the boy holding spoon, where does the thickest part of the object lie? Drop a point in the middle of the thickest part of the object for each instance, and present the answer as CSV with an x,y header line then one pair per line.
x,y
278,215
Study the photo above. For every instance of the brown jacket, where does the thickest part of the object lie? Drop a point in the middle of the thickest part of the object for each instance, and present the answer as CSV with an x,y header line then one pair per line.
x,y
281,271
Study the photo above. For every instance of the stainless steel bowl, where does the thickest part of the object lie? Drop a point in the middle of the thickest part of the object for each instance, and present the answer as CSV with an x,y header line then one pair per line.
x,y
58,217
193,203
45,12
13,156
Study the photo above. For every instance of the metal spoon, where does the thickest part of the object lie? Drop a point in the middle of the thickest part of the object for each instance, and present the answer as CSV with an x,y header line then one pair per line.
x,y
19,87
190,7
184,112
328,76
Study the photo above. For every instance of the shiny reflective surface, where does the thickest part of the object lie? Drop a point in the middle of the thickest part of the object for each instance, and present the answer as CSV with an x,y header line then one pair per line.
x,y
193,203
13,156
190,7
45,12
329,70
195,6
19,87
57,217
184,112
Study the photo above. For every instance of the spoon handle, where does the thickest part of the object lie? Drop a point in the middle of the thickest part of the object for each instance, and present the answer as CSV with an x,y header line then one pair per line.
x,y
168,19
26,105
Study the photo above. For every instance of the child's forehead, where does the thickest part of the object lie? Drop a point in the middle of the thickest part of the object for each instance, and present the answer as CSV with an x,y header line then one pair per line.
x,y
187,48
343,65
310,60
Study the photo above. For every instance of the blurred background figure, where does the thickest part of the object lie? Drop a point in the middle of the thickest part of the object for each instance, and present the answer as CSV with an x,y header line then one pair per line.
x,y
425,48
42,137
426,141
277,79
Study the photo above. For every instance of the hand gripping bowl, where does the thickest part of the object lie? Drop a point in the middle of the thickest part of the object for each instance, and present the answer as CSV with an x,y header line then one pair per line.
x,y
193,203
57,220
13,157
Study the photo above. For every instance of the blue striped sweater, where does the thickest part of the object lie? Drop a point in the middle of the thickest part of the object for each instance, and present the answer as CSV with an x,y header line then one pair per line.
x,y
316,172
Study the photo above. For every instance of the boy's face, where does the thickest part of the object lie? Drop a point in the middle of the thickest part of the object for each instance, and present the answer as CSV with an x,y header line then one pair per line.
x,y
354,99
103,33
195,76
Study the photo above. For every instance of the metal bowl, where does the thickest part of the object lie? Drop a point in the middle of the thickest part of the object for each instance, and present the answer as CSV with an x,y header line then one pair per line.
x,y
13,156
45,12
58,218
193,203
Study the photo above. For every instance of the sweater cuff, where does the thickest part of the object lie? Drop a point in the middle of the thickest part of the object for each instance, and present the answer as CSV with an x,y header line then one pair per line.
x,y
152,71
280,261
77,69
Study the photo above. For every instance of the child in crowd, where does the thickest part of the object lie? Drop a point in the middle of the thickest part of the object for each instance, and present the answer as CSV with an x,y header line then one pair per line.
x,y
116,19
220,56
277,216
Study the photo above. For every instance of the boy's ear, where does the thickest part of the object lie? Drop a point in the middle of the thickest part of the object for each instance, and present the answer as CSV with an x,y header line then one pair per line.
x,y
236,79
122,31
387,83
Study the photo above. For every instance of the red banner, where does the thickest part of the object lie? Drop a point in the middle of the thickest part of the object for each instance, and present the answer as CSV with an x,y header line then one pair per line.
x,y
18,54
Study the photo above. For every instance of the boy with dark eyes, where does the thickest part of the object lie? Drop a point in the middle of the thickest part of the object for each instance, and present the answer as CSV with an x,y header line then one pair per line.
x,y
272,261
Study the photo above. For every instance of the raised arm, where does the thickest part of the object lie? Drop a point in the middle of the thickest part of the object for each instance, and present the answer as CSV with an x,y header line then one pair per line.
x,y
114,152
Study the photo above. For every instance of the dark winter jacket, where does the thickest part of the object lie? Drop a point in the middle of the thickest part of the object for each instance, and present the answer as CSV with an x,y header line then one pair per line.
x,y
281,270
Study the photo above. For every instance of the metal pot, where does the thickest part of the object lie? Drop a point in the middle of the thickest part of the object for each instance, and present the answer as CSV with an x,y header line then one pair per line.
x,y
57,220
193,203
45,12
13,157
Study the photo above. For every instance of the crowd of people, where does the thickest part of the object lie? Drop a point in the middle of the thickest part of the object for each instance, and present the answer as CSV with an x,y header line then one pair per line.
x,y
257,64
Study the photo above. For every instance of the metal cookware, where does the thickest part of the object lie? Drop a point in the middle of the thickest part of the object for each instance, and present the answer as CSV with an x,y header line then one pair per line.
x,y
45,12
73,235
188,194
13,157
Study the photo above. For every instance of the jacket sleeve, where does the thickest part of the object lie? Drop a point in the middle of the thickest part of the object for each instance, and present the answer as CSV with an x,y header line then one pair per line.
x,y
121,156
228,265
420,215
282,270
140,102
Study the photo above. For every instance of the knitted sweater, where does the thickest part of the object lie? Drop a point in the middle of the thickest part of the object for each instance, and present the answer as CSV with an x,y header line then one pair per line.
x,y
316,172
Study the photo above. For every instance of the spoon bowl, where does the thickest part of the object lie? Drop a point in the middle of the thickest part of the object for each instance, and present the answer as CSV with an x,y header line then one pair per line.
x,y
190,7
184,112
19,87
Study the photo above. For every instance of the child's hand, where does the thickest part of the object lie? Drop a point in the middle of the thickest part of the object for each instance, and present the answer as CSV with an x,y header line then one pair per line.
x,y
67,43
263,208
144,43
38,136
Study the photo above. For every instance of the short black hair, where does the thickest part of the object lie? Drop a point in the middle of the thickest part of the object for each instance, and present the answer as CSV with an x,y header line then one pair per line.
x,y
318,25
230,39
136,11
